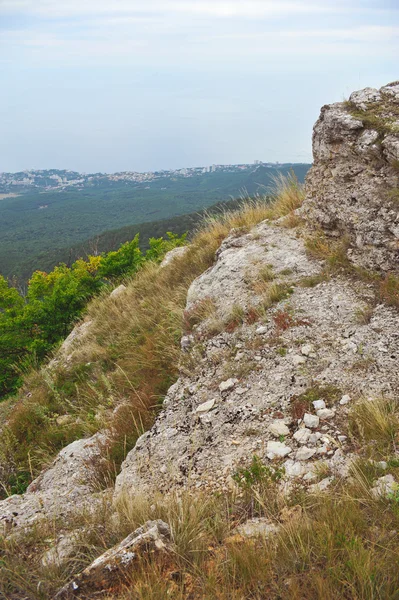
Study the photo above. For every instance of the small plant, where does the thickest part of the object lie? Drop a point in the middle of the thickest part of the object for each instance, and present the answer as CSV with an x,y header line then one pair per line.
x,y
202,310
332,251
257,473
283,320
363,315
275,293
389,290
282,351
304,402
266,273
235,318
312,280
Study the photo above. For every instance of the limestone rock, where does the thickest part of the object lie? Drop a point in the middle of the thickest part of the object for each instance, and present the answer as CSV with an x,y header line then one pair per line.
x,y
59,491
227,385
203,451
278,428
172,254
258,527
385,486
353,173
71,343
305,453
117,291
111,568
311,421
277,449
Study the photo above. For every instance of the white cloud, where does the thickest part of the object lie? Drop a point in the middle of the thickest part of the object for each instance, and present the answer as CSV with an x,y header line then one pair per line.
x,y
205,8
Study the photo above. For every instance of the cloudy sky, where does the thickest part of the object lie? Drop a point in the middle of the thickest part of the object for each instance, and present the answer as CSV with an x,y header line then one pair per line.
x,y
108,85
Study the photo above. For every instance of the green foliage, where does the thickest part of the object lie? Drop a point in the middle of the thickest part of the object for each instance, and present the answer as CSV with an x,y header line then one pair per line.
x,y
257,473
31,325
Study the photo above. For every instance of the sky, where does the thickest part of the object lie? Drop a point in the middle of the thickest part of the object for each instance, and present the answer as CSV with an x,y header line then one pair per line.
x,y
115,85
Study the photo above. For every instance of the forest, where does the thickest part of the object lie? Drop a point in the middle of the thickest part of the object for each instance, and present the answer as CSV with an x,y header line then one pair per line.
x,y
38,229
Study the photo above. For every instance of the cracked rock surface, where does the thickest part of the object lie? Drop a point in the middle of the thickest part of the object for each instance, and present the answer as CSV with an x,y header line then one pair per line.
x,y
351,185
239,391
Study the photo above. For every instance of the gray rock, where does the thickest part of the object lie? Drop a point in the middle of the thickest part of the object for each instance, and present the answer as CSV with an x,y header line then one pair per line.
x,y
345,400
172,254
319,404
385,486
227,385
302,435
278,428
277,449
311,421
114,565
258,527
205,407
59,491
305,453
325,413
352,175
117,291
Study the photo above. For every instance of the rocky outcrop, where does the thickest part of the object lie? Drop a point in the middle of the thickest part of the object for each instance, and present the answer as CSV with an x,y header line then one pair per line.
x,y
111,568
63,489
353,186
279,388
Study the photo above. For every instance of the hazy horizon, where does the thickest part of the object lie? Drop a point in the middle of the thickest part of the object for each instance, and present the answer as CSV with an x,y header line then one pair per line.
x,y
129,86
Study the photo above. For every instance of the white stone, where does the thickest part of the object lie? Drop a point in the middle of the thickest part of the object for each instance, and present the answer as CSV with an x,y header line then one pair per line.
x,y
319,404
205,407
227,385
305,453
279,428
293,469
258,527
302,435
298,360
385,486
325,413
262,330
382,464
345,400
311,421
117,291
277,449
322,485
308,350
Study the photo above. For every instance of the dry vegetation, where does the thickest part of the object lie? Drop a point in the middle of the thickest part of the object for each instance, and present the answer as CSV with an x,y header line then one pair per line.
x,y
341,544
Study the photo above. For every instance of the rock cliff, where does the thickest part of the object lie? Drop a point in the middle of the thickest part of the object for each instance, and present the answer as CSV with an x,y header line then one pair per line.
x,y
352,188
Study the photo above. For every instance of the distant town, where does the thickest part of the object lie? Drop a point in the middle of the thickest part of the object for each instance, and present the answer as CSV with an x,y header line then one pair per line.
x,y
54,179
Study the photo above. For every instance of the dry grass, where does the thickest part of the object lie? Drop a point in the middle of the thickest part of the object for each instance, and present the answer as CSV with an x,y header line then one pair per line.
x,y
339,544
375,423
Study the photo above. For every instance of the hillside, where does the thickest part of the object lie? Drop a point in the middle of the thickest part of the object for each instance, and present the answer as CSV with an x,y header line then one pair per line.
x,y
36,225
226,424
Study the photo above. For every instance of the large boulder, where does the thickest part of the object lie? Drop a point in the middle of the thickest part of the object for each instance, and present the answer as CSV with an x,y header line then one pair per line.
x,y
353,186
